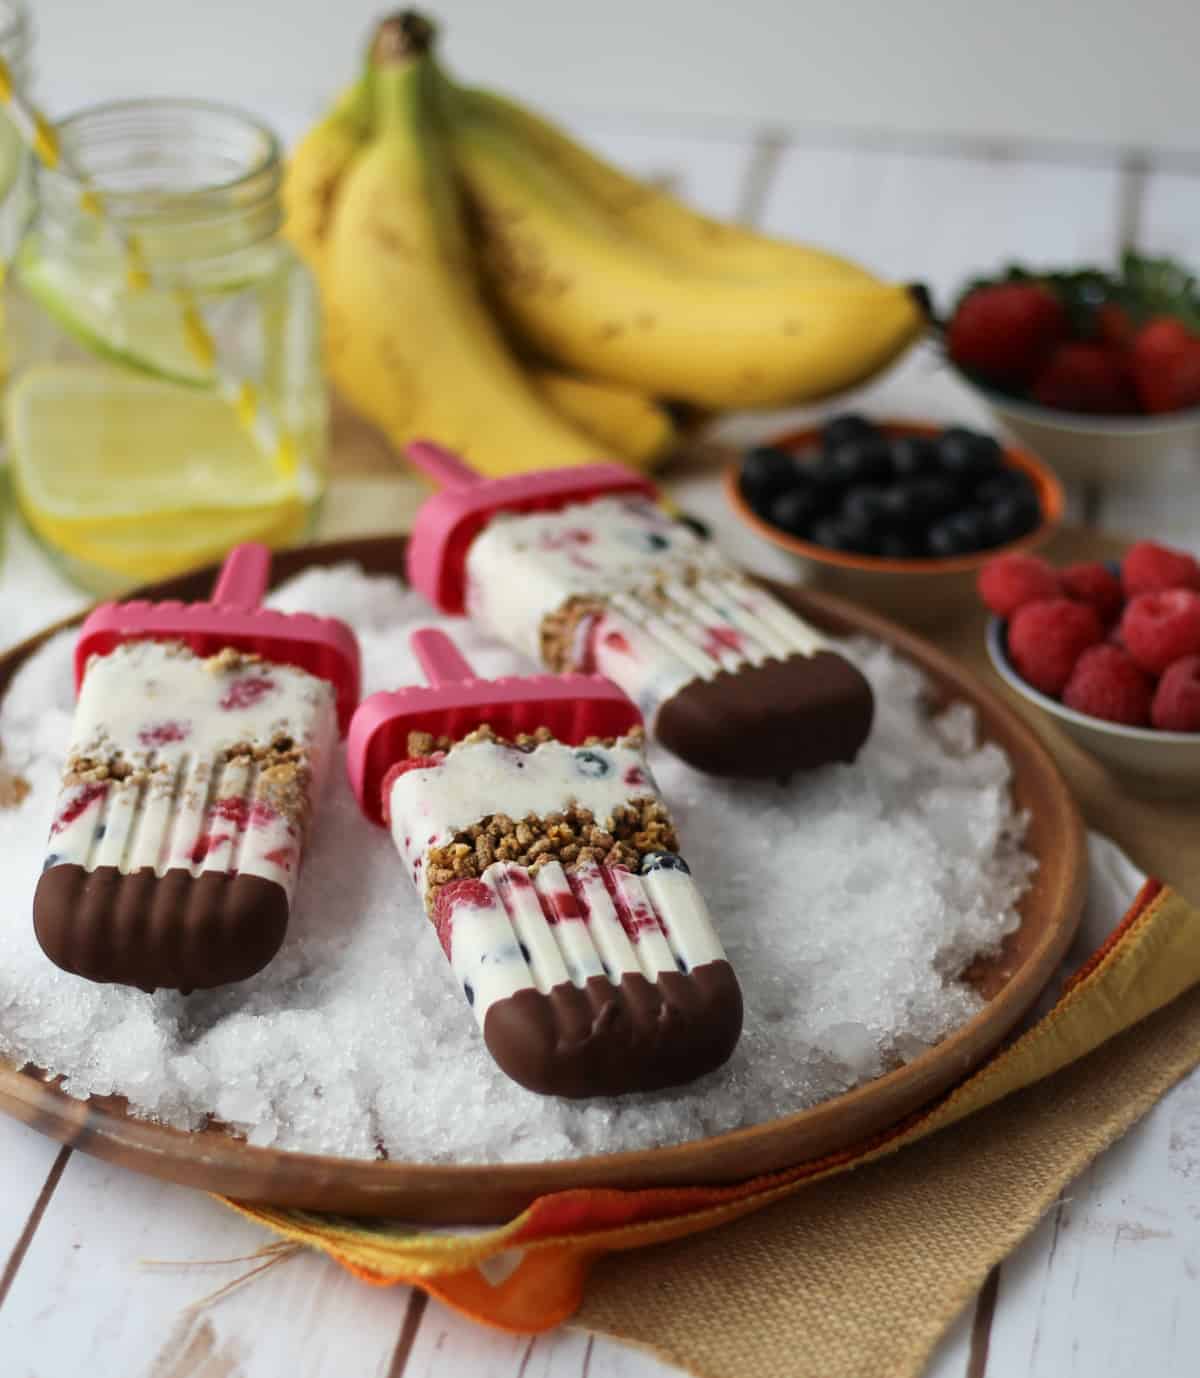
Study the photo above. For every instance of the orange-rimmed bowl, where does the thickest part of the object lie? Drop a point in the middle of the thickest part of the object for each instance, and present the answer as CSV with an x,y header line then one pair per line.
x,y
919,592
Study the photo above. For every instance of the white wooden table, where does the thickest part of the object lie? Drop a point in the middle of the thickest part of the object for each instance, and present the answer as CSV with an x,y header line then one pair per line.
x,y
100,1269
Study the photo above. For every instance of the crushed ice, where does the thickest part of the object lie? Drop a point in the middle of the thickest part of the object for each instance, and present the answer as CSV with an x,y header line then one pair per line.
x,y
849,901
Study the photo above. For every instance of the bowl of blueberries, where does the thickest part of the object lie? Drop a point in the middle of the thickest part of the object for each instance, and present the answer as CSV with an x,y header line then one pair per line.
x,y
899,515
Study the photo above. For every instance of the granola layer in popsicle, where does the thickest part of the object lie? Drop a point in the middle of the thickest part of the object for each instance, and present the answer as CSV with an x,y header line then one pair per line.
x,y
553,876
583,570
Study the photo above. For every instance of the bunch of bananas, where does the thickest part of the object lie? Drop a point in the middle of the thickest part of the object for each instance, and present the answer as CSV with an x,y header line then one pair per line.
x,y
489,284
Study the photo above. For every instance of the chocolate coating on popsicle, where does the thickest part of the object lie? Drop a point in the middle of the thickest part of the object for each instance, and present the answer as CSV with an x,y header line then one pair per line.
x,y
771,719
178,931
606,1039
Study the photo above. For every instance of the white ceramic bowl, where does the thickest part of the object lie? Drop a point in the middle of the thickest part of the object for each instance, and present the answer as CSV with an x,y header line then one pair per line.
x,y
1165,764
1095,449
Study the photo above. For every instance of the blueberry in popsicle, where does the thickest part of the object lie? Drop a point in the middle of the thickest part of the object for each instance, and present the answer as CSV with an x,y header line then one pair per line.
x,y
530,824
582,570
201,737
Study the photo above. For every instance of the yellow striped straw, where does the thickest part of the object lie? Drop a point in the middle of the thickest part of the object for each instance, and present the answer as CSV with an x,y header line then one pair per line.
x,y
255,417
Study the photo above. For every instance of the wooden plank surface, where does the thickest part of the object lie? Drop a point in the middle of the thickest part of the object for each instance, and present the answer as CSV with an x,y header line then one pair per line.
x,y
1102,1288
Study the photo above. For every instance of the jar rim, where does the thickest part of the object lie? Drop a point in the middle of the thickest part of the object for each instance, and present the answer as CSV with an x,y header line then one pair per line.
x,y
268,159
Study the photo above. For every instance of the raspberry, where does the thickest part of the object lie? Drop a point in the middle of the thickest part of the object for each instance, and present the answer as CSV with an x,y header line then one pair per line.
x,y
1158,628
1010,581
1108,683
1150,568
1094,584
1046,638
1177,700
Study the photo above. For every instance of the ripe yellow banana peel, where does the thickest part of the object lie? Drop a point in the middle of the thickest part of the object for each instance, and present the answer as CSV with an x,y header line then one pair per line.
x,y
623,290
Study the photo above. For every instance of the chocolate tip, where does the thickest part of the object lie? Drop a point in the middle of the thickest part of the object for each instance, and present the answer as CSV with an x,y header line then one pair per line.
x,y
175,931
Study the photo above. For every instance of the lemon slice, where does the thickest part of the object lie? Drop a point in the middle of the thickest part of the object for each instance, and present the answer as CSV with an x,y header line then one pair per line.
x,y
138,478
143,330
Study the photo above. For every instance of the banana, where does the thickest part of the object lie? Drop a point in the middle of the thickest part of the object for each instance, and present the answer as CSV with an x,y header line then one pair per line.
x,y
585,293
409,340
316,168
629,424
650,213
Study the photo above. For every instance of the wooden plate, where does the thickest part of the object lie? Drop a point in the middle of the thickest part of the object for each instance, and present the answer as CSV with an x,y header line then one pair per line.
x,y
216,1161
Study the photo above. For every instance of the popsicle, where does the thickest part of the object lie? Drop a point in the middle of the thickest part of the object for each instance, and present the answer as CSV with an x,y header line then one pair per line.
x,y
582,570
201,737
531,826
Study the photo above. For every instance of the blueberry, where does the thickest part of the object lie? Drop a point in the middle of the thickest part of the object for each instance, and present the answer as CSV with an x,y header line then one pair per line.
x,y
897,547
959,534
656,541
1009,518
868,460
843,533
969,455
681,964
831,534
525,952
931,498
591,763
695,525
914,456
52,860
796,511
849,426
867,504
469,992
664,861
1009,483
766,472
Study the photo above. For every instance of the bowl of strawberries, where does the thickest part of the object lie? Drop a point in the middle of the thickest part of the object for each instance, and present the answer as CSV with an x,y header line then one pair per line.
x,y
1111,653
1096,371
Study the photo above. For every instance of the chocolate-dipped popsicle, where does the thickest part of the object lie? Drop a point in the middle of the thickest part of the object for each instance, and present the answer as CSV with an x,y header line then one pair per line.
x,y
545,857
582,570
201,738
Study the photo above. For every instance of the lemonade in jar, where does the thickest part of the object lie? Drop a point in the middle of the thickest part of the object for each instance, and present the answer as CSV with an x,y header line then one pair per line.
x,y
165,398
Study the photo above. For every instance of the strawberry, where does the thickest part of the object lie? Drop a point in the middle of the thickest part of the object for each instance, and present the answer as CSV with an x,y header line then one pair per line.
x,y
1086,377
1003,332
1113,325
1165,361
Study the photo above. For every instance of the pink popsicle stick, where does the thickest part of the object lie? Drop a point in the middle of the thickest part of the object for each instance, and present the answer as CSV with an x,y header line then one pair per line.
x,y
440,658
244,576
442,465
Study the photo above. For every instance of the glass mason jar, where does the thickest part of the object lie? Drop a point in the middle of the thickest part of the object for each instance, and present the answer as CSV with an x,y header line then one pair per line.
x,y
130,445
16,177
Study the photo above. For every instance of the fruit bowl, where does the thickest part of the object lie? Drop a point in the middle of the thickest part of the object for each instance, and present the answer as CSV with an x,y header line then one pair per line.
x,y
1093,449
920,592
1149,762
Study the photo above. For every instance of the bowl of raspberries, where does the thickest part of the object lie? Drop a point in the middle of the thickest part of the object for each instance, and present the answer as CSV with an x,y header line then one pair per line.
x,y
1097,371
1111,653
900,515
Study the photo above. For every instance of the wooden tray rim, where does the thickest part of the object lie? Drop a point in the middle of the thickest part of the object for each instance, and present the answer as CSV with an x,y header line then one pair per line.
x,y
486,1193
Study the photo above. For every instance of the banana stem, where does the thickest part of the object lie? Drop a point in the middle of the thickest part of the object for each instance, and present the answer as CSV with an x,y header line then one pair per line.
x,y
401,37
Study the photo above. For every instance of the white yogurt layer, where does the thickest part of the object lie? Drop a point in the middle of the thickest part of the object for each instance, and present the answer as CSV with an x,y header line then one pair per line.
x,y
171,718
676,610
511,930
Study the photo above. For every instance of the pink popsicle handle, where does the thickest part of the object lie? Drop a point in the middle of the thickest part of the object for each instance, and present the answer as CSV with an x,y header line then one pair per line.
x,y
440,658
442,465
244,577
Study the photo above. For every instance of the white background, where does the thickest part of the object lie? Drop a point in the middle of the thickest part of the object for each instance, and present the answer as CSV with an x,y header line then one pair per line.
x,y
1089,71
